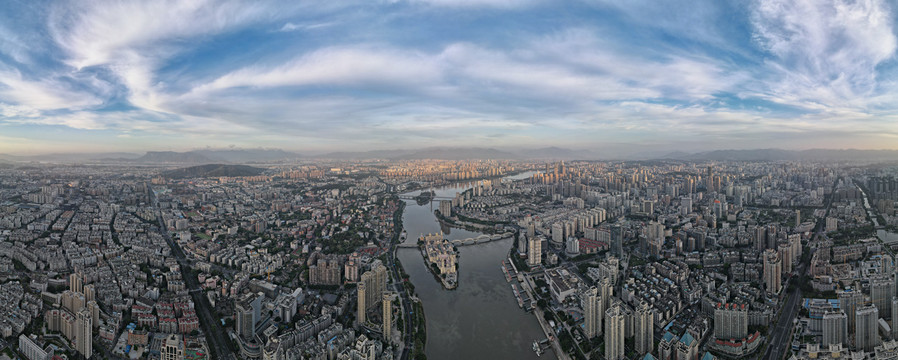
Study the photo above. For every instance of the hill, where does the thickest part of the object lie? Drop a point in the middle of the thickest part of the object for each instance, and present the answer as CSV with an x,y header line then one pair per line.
x,y
213,170
173,157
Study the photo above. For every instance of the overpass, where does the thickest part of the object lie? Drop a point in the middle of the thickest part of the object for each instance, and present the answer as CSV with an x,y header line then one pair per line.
x,y
469,241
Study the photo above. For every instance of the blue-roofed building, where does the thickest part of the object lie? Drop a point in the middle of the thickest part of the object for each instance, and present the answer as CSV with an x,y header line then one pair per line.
x,y
649,357
708,356
687,347
667,347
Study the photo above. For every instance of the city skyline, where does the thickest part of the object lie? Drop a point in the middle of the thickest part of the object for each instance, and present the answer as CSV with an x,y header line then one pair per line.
x,y
353,76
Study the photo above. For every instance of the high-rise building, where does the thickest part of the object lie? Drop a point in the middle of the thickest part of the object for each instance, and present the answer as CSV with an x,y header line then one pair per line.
x,y
592,311
248,312
558,234
881,294
645,328
606,291
76,283
535,252
835,328
446,208
797,218
617,241
849,301
614,333
387,317
84,333
866,337
172,348
730,321
894,318
325,272
573,246
772,271
362,305
375,281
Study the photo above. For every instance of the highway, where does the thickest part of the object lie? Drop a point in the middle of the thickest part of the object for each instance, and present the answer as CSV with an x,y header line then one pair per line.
x,y
219,344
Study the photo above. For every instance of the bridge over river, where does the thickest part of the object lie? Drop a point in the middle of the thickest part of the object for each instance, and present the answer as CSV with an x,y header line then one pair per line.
x,y
469,241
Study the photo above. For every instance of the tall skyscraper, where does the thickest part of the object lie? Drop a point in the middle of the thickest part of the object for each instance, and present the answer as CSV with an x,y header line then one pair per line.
x,y
606,291
894,318
387,326
881,294
362,304
835,328
645,328
172,348
617,241
731,321
866,337
592,311
614,333
772,271
535,252
84,333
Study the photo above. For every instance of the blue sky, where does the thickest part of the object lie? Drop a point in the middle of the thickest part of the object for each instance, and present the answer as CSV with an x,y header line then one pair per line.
x,y
313,76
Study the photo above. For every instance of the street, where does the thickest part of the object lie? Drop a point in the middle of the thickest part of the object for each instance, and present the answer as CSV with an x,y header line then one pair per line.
x,y
219,345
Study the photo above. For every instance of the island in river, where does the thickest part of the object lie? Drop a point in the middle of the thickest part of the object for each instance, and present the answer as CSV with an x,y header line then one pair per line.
x,y
441,257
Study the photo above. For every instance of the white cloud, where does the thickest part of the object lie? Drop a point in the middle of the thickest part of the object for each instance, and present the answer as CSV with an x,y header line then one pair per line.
x,y
336,66
825,52
504,4
288,27
45,94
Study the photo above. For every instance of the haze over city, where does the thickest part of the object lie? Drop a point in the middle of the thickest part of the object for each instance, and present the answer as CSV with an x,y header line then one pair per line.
x,y
320,76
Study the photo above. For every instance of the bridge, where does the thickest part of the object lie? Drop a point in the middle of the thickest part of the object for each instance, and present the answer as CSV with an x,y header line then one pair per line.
x,y
469,241
415,197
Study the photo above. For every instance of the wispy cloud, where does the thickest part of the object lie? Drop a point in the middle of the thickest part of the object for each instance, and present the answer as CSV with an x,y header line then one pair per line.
x,y
432,71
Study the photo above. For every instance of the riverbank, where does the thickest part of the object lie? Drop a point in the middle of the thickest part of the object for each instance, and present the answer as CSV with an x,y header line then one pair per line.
x,y
480,319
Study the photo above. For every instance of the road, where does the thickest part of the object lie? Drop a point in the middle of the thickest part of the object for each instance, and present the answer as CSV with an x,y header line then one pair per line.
x,y
779,337
219,345
406,304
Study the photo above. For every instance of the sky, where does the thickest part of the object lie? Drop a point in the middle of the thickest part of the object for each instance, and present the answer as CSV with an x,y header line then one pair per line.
x,y
674,75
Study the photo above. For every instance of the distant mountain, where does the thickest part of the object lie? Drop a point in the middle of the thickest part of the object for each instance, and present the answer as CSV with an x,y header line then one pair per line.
x,y
459,154
70,157
212,170
374,154
438,153
171,157
789,155
557,153
247,155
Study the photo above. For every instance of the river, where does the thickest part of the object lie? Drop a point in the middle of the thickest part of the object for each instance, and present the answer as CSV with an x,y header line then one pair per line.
x,y
481,318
